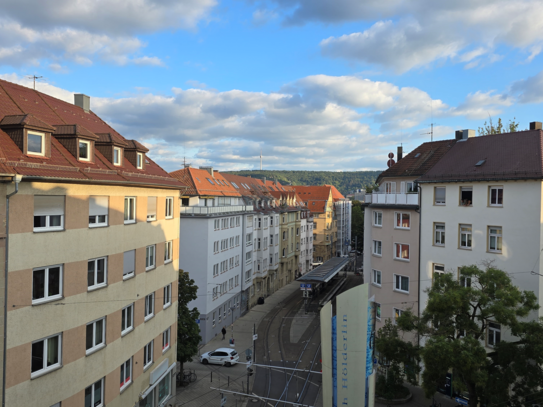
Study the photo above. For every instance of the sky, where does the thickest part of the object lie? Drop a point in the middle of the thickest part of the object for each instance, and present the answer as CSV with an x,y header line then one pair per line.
x,y
312,84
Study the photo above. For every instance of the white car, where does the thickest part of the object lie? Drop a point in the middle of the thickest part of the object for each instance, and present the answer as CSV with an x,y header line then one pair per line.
x,y
221,356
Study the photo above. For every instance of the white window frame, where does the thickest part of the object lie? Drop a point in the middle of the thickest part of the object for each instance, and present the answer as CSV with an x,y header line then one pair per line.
x,y
148,355
440,203
168,252
120,156
96,346
169,207
438,269
46,297
48,227
376,277
97,223
166,340
215,292
492,330
400,219
126,311
496,204
377,244
149,308
127,378
42,135
498,237
47,369
470,234
396,311
440,233
97,285
167,296
378,219
378,311
148,264
401,250
93,392
215,270
398,278
139,161
131,208
89,152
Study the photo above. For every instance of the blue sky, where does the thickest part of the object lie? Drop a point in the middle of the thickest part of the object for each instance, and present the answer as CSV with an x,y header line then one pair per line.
x,y
314,84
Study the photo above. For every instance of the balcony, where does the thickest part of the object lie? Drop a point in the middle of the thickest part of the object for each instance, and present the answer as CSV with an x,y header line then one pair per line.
x,y
214,210
392,199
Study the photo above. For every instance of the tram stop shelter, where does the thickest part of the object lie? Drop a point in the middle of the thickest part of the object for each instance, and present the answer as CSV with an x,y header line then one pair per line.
x,y
326,271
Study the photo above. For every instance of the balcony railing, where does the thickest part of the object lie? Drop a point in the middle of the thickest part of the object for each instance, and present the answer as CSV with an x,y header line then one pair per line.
x,y
393,199
213,210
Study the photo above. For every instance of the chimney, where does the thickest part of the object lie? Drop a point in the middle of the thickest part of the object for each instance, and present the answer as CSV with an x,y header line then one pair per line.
x,y
535,126
458,134
400,153
208,169
461,135
83,101
264,181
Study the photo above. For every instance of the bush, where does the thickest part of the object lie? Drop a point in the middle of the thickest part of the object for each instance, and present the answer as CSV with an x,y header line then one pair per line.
x,y
390,389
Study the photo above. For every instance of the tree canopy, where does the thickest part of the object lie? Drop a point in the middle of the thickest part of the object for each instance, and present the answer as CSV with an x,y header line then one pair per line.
x,y
188,331
499,128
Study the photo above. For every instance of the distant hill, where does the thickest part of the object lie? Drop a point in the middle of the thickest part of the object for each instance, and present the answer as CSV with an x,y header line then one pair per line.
x,y
346,182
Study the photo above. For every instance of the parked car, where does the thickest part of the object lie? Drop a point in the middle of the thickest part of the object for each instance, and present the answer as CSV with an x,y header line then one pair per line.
x,y
221,356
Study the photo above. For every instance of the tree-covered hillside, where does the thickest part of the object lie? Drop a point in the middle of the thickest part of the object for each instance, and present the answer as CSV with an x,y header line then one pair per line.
x,y
345,182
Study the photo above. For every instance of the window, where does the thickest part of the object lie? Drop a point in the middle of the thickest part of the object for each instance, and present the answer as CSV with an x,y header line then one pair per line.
x,y
214,318
84,150
167,296
390,187
184,201
97,273
46,355
148,355
249,239
439,196
376,277
211,182
377,247
494,334
46,284
231,222
403,220
169,207
258,244
96,335
129,210
439,269
215,270
284,252
150,261
401,283
439,234
220,314
127,319
151,208
166,340
94,394
297,231
237,280
397,313
139,161
410,187
496,196
231,242
48,213
216,246
464,281
98,210
215,295
149,306
168,252
116,156
129,262
495,239
377,218
466,196
35,143
217,224
248,256
401,251
465,236
230,283
238,221
126,373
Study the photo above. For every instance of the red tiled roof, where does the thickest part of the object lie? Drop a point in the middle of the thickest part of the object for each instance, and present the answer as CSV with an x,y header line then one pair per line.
x,y
501,157
202,183
336,195
23,106
315,196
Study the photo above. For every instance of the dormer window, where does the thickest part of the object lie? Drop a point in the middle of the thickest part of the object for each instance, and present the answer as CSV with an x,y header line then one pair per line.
x,y
84,150
117,156
140,161
36,143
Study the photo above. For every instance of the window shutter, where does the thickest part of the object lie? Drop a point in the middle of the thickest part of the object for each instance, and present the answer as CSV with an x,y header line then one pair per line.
x,y
48,205
151,206
98,205
129,261
402,187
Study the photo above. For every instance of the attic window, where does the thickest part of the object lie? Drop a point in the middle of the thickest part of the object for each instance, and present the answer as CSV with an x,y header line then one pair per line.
x,y
211,182
235,185
140,161
198,179
480,163
417,155
116,156
36,143
84,150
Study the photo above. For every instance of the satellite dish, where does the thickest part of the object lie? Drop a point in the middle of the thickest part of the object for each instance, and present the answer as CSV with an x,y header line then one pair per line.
x,y
390,162
390,155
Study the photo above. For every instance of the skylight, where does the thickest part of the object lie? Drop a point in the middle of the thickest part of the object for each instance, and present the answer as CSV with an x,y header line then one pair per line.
x,y
235,185
480,163
211,182
418,155
198,179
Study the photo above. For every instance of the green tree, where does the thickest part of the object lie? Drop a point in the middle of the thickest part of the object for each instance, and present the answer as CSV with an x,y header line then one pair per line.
x,y
357,225
188,331
455,326
490,128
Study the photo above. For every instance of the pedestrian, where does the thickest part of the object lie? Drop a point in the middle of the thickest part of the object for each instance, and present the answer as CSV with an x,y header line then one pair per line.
x,y
223,332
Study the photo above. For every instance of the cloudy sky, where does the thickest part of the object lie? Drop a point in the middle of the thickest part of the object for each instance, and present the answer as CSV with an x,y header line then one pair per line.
x,y
313,84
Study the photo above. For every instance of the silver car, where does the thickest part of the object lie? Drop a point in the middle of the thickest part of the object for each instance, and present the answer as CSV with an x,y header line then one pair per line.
x,y
221,356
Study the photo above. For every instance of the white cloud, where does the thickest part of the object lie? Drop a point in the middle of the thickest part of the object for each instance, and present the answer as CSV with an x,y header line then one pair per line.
x,y
529,90
481,105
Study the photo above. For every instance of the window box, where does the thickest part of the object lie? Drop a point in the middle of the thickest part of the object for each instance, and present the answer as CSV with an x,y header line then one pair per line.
x,y
129,210
401,284
401,251
126,374
96,336
98,211
150,260
46,284
48,213
46,355
127,319
97,273
149,307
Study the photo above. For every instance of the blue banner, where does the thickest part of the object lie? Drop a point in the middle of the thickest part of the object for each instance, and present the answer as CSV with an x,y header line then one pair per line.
x,y
334,362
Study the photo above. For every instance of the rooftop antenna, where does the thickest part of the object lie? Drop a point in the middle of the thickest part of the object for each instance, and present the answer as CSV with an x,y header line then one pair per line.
x,y
431,133
34,77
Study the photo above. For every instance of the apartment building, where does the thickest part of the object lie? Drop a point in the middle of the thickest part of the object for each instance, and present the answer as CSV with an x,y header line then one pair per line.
x,y
482,202
391,232
306,242
215,247
343,212
90,242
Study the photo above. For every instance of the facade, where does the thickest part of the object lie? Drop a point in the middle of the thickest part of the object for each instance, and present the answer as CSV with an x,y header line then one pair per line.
x,y
216,247
306,246
343,215
91,241
391,233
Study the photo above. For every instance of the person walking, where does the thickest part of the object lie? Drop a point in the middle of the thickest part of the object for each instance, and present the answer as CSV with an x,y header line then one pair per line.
x,y
223,332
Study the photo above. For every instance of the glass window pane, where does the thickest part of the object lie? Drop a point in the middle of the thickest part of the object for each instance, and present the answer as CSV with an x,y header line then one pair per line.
x,y
34,143
38,284
123,319
122,374
40,221
54,281
100,272
98,393
37,356
83,150
90,273
405,284
99,332
126,208
129,317
89,336
52,350
55,220
88,397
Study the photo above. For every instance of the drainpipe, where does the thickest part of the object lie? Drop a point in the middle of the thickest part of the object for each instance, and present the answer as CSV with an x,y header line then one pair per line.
x,y
17,178
420,235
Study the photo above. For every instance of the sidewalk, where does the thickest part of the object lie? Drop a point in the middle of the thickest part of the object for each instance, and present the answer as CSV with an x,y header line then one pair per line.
x,y
199,393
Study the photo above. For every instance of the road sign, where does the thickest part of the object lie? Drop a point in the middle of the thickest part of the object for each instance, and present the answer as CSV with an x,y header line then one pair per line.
x,y
223,401
197,321
461,401
255,337
304,287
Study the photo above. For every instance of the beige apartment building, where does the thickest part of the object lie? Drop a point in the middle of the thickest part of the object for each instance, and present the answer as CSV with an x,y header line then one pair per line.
x,y
92,259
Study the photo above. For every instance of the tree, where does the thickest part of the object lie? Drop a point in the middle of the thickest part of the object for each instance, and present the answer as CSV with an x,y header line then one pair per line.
x,y
188,331
488,129
357,225
454,325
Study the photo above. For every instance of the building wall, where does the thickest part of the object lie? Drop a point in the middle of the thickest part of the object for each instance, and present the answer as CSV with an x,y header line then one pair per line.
x,y
72,248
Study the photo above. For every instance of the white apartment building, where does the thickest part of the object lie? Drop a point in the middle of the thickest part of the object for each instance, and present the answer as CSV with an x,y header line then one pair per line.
x,y
343,209
306,242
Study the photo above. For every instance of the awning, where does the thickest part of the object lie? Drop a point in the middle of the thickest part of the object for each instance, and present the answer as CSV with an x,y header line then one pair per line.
x,y
158,379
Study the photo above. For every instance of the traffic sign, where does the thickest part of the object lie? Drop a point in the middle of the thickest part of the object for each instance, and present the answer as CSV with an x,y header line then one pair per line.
x,y
304,287
255,337
223,401
461,401
197,321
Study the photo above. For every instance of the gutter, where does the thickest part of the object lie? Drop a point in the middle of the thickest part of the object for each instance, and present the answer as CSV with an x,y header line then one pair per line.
x,y
98,182
17,178
420,235
496,178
